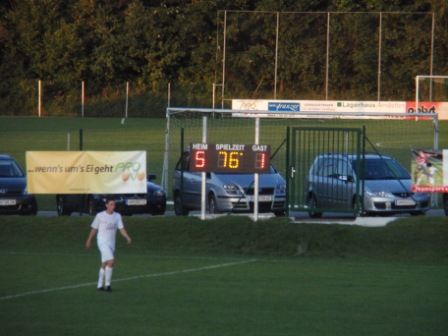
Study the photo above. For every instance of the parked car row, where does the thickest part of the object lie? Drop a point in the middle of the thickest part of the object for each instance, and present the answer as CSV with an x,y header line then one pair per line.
x,y
14,198
387,190
153,202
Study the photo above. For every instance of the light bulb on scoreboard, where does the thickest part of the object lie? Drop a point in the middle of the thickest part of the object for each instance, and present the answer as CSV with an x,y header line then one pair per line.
x,y
260,160
199,159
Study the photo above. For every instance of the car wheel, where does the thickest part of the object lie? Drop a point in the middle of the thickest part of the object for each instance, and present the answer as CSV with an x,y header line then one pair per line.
x,y
212,205
179,208
280,213
417,213
92,209
312,204
62,211
360,212
33,211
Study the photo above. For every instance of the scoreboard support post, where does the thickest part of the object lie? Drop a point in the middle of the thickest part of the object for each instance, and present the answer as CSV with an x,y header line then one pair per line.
x,y
256,175
204,174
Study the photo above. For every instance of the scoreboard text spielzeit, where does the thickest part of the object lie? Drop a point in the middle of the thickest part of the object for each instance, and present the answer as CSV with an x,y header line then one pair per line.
x,y
230,158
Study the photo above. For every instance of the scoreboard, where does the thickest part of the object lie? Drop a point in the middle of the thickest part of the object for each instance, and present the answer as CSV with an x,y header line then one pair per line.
x,y
230,158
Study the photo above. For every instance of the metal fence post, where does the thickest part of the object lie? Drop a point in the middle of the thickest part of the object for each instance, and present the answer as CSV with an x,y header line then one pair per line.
x,y
68,140
82,98
436,131
288,180
166,155
39,98
203,174
327,57
81,140
127,101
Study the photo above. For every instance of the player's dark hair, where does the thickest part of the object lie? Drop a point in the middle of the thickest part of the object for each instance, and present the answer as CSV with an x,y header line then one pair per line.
x,y
109,199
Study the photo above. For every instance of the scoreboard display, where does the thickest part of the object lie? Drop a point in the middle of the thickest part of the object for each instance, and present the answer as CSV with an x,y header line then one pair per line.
x,y
230,158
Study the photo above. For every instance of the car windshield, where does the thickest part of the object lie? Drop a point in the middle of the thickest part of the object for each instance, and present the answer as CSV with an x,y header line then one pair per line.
x,y
8,168
382,169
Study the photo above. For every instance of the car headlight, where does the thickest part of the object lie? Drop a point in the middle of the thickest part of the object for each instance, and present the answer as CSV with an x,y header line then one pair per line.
x,y
385,194
280,189
231,188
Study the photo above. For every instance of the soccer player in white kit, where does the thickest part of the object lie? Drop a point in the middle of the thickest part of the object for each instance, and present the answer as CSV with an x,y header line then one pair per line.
x,y
105,226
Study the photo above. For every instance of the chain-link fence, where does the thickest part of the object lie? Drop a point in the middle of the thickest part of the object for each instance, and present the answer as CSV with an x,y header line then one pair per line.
x,y
394,136
127,99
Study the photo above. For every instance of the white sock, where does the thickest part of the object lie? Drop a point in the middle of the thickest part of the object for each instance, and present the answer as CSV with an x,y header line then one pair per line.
x,y
108,275
101,278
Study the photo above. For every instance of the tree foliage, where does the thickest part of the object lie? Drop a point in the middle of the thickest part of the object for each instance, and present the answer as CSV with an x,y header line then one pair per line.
x,y
152,42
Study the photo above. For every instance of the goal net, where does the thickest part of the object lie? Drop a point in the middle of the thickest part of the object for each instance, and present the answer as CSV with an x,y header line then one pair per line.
x,y
392,134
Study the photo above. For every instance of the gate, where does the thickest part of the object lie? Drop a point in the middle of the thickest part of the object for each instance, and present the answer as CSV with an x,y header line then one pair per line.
x,y
323,165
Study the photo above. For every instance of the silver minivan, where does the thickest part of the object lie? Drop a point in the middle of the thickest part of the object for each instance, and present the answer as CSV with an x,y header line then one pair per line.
x,y
232,192
332,181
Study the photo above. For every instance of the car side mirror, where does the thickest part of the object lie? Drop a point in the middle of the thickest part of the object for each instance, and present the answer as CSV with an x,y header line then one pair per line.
x,y
209,175
151,177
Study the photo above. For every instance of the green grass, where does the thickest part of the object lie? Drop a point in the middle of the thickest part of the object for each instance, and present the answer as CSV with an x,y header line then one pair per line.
x,y
349,281
19,134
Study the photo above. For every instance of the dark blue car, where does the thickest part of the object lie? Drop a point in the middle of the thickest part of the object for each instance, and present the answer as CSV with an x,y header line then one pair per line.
x,y
14,198
153,202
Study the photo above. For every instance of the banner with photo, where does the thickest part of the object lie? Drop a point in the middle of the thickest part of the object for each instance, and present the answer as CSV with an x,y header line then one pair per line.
x,y
429,171
86,172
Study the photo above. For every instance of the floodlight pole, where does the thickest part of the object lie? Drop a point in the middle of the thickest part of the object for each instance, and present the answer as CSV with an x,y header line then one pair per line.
x,y
431,57
417,84
380,37
204,174
256,175
224,42
213,95
276,55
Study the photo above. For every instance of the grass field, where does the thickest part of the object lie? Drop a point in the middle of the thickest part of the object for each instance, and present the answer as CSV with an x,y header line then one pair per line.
x,y
226,277
17,135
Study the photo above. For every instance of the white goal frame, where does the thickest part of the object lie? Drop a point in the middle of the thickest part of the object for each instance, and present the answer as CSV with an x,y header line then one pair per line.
x,y
417,86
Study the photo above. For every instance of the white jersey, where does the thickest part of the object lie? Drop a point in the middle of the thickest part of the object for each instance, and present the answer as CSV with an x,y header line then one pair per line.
x,y
107,226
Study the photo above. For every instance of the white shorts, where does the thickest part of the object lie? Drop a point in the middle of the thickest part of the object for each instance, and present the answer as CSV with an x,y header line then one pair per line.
x,y
107,252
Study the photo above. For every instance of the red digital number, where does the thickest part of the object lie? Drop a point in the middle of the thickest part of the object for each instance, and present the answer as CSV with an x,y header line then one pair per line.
x,y
260,160
199,159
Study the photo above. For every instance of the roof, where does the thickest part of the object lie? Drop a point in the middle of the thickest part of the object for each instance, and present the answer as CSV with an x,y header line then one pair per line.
x,y
353,156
